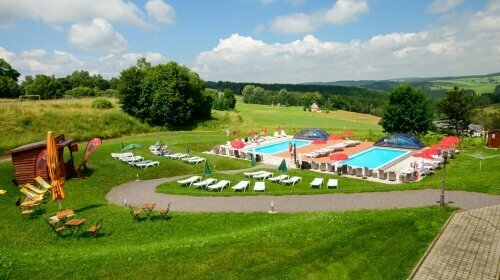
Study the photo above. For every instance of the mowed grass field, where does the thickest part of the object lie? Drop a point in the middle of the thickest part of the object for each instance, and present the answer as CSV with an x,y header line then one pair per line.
x,y
369,244
480,85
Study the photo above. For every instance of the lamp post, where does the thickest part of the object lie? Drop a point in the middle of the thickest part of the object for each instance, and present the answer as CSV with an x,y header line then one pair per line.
x,y
443,153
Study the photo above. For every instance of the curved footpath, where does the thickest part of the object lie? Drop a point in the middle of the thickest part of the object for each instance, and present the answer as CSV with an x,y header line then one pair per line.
x,y
139,192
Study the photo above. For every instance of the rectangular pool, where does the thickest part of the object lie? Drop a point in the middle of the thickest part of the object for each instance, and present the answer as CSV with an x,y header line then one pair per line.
x,y
278,147
375,158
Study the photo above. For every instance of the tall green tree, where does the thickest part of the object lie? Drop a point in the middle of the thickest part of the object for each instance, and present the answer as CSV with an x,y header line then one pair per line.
x,y
48,87
458,107
8,80
407,112
167,95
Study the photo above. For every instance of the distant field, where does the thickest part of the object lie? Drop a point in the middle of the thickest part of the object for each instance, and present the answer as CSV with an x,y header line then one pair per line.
x,y
293,119
480,85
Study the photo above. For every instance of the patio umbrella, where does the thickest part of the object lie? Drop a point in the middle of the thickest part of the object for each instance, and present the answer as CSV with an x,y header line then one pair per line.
x,y
338,156
157,144
121,146
282,167
207,170
187,149
253,162
347,134
239,135
265,131
451,139
334,137
318,141
279,128
237,144
423,155
54,169
131,147
252,132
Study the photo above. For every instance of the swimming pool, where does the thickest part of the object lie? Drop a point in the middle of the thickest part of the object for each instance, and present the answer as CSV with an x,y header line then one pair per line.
x,y
278,147
375,157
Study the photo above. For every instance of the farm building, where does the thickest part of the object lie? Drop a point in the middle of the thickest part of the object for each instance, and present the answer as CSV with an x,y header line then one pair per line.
x,y
24,159
315,108
493,139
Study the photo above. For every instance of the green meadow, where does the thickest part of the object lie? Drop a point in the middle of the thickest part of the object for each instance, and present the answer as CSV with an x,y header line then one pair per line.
x,y
368,244
479,84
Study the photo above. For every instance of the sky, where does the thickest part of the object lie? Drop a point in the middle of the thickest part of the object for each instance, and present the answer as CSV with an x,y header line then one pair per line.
x,y
268,41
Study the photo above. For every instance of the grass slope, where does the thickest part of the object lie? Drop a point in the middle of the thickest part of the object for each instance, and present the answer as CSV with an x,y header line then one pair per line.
x,y
29,121
26,122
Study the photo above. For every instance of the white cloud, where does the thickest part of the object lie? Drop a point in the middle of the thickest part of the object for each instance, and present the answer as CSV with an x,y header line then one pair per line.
x,y
342,11
69,11
462,45
40,61
98,34
442,6
346,10
160,11
59,63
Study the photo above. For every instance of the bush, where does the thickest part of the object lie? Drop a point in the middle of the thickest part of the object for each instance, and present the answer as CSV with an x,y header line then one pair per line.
x,y
102,103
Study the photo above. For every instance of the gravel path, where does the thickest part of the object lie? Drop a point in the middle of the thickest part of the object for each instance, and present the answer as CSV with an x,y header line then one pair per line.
x,y
138,192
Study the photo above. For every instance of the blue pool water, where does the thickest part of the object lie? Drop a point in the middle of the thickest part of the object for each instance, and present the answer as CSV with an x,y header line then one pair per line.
x,y
279,146
375,157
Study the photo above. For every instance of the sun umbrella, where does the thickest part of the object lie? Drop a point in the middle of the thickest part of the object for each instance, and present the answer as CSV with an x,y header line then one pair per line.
x,y
239,135
237,144
318,141
54,169
207,170
338,156
279,128
252,132
451,139
347,134
253,162
334,137
265,131
423,155
131,147
187,149
282,167
121,146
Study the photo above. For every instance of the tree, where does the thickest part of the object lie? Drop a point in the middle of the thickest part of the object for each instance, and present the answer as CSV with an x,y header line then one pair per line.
x,y
8,80
7,71
458,107
225,101
46,86
407,112
164,95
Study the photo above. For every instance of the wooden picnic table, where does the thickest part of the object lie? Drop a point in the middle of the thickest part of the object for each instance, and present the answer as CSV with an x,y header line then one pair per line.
x,y
63,215
148,208
75,226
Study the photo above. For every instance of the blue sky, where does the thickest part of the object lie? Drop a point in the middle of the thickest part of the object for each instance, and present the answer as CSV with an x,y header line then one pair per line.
x,y
255,40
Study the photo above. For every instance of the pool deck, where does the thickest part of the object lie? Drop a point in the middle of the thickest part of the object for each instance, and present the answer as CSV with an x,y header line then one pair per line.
x,y
309,148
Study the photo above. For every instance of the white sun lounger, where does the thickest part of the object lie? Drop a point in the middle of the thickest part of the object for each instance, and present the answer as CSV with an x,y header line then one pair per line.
x,y
147,163
263,175
189,181
251,174
186,159
278,179
241,186
205,183
259,187
317,183
179,156
196,160
332,183
132,159
292,181
219,186
121,155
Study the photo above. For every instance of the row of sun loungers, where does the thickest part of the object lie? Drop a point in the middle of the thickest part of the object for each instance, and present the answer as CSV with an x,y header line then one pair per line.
x,y
211,184
137,161
332,148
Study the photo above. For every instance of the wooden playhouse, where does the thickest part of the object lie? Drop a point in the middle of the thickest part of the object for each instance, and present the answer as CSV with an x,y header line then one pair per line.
x,y
24,159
